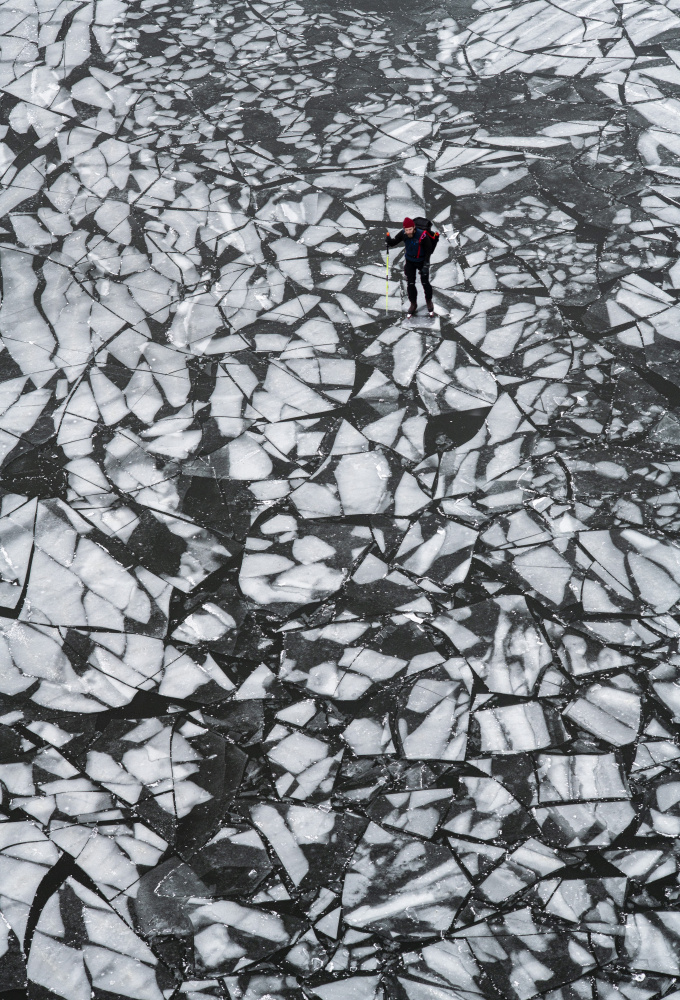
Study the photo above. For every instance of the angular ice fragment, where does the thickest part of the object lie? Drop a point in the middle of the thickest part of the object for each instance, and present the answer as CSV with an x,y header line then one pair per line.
x,y
652,941
607,712
363,483
400,884
58,968
518,728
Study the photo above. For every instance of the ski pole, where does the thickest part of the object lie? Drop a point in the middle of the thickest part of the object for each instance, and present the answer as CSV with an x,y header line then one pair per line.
x,y
387,277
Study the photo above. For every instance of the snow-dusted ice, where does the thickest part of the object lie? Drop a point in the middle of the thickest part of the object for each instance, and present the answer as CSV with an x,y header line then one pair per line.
x,y
339,651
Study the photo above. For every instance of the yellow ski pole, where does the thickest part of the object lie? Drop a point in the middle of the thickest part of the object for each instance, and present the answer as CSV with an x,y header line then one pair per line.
x,y
387,277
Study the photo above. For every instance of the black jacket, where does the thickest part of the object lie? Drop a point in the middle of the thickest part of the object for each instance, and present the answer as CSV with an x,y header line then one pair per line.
x,y
418,247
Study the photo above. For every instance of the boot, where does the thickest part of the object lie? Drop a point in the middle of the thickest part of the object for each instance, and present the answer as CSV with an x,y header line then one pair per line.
x,y
430,307
412,310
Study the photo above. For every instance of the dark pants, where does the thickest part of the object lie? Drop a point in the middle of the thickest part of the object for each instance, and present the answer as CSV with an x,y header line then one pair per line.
x,y
411,267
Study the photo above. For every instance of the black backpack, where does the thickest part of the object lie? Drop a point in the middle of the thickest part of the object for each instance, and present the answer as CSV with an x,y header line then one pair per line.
x,y
429,238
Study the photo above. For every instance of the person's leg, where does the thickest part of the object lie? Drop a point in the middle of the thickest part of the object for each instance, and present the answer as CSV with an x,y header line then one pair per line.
x,y
410,272
425,279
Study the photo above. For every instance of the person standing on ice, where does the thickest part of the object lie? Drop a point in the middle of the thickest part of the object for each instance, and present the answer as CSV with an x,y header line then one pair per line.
x,y
419,242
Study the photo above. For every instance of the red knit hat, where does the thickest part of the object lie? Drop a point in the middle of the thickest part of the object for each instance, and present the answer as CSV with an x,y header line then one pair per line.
x,y
408,223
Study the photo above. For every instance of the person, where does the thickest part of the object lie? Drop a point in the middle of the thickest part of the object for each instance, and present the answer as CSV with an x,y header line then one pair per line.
x,y
418,247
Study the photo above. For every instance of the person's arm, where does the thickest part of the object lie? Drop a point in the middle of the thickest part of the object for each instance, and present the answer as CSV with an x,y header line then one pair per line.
x,y
392,241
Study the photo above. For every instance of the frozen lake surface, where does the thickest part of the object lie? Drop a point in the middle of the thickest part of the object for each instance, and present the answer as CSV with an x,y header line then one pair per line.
x,y
339,652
